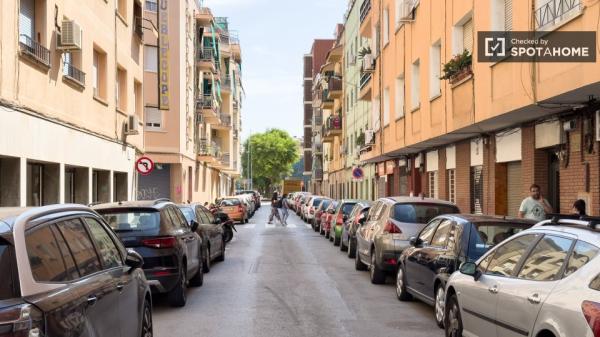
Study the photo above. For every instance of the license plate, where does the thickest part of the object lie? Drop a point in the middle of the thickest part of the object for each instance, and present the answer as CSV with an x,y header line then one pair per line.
x,y
228,209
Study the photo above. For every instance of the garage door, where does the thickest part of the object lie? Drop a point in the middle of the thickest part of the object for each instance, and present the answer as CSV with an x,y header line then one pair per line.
x,y
514,187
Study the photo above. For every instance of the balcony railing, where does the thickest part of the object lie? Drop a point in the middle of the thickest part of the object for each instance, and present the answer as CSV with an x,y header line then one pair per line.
x,y
34,49
207,102
206,55
325,96
74,74
365,8
225,159
555,11
206,148
334,123
364,79
334,83
225,119
318,120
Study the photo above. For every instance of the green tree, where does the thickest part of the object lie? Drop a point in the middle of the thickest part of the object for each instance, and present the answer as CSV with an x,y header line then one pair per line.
x,y
273,154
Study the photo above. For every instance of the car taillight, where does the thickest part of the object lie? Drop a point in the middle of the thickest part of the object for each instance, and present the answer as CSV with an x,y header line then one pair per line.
x,y
240,208
167,242
340,219
312,210
391,228
591,311
21,321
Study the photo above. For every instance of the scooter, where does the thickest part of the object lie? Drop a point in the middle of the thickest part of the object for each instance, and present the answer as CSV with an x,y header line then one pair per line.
x,y
226,222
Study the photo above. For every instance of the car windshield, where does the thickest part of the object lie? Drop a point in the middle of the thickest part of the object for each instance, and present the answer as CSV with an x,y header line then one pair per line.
x,y
133,221
420,213
7,263
325,204
317,202
487,235
230,202
188,213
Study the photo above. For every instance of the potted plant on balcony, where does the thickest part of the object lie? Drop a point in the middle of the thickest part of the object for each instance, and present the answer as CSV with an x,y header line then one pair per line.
x,y
365,50
360,139
458,68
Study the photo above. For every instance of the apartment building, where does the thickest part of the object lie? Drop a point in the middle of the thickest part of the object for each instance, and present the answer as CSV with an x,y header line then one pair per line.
x,y
70,100
192,97
481,137
313,165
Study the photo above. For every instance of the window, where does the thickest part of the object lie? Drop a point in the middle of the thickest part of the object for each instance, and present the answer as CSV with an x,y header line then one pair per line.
x,y
595,284
151,59
462,36
188,213
467,35
80,246
27,21
153,119
507,256
99,74
442,234
546,260
581,255
452,185
427,233
152,5
109,253
433,184
49,261
420,212
415,85
399,99
435,87
477,189
121,89
128,221
484,236
501,15
386,106
9,287
386,26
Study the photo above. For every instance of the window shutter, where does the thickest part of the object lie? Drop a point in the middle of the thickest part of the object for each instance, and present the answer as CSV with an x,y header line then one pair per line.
x,y
153,118
508,15
27,19
95,74
468,36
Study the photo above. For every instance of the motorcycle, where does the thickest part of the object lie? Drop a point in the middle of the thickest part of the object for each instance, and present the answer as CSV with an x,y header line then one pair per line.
x,y
225,221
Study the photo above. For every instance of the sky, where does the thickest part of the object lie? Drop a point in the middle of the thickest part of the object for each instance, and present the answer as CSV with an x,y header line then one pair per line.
x,y
274,36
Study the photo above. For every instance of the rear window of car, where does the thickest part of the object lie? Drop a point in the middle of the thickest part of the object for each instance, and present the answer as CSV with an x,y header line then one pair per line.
x,y
317,202
347,208
144,221
188,213
9,285
420,213
326,204
230,202
487,235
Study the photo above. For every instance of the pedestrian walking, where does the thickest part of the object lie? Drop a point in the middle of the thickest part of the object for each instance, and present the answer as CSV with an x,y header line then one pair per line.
x,y
274,208
284,209
579,207
535,207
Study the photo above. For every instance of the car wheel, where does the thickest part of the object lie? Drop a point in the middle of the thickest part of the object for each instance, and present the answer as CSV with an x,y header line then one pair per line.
x,y
377,275
206,264
440,304
343,247
336,240
351,249
453,322
401,292
177,295
321,231
221,257
327,235
147,320
315,227
358,264
198,279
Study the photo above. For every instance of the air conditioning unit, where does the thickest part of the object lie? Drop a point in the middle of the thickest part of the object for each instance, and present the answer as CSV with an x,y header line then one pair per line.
x,y
70,36
368,65
133,125
407,11
369,137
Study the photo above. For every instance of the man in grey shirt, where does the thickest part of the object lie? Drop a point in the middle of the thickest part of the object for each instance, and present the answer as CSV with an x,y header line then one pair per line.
x,y
534,207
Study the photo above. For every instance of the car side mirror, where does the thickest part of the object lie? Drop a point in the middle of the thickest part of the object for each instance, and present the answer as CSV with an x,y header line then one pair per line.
x,y
194,225
415,241
345,217
134,259
218,221
470,268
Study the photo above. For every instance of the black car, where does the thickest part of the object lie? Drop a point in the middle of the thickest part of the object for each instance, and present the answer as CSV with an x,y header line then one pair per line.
x,y
171,248
357,216
441,247
210,230
65,273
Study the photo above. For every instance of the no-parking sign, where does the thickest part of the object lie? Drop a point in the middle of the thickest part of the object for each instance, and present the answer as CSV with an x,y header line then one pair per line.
x,y
144,166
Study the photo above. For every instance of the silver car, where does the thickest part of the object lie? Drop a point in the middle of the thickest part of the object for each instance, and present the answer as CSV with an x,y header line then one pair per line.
x,y
542,282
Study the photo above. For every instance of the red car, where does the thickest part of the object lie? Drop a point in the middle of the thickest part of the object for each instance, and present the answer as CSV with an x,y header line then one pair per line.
x,y
319,212
326,219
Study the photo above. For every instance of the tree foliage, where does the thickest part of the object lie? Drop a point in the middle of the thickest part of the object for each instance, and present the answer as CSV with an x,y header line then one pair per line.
x,y
273,154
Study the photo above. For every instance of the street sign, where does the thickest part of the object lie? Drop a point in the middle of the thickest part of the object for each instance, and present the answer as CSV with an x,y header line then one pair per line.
x,y
144,166
358,173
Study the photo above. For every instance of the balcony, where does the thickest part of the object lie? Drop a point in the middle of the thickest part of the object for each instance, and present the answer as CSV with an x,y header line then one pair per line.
x,y
226,84
204,16
206,60
207,151
365,19
139,27
325,99
317,149
73,74
224,122
555,12
334,84
236,106
365,87
34,51
224,160
208,107
332,128
317,120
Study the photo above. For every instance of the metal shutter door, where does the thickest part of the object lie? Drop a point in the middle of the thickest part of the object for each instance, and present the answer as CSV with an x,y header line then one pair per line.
x,y
27,19
403,182
514,187
508,13
381,184
477,189
468,36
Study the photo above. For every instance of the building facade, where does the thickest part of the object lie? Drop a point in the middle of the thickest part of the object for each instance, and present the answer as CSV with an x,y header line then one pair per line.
x,y
193,97
70,100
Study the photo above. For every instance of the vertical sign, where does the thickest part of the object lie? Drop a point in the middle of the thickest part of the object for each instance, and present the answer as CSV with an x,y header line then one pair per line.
x,y
163,55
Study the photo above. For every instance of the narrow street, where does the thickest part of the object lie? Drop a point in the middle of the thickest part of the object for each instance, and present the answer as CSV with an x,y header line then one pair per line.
x,y
290,282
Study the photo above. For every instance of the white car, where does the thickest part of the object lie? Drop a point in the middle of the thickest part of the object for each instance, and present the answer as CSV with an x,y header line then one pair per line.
x,y
541,282
311,208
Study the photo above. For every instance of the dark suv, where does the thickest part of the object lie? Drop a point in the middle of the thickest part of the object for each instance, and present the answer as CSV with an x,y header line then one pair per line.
x,y
171,248
65,273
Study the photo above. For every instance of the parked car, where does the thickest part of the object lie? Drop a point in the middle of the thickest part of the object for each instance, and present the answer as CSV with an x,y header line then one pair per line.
x,y
65,273
319,212
210,230
357,216
544,281
390,225
440,248
300,202
255,196
312,206
234,208
171,248
248,202
340,216
326,218
305,206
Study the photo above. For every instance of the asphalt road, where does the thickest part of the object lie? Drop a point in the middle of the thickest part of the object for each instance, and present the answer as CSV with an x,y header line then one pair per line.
x,y
290,282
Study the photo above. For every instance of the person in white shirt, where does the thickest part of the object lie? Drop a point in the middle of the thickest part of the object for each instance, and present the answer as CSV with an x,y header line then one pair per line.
x,y
535,207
